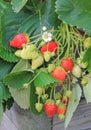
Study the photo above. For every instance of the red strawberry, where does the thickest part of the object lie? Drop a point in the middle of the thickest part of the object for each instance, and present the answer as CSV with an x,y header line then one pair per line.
x,y
50,46
50,108
59,73
43,49
61,109
65,100
19,40
67,64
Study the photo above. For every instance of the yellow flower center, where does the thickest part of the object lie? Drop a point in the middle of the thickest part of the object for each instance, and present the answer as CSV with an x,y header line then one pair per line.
x,y
46,36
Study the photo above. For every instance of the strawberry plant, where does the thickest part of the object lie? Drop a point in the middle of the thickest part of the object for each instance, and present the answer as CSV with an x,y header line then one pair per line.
x,y
45,46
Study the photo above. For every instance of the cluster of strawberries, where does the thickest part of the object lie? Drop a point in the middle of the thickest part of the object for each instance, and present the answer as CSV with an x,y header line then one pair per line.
x,y
59,107
38,57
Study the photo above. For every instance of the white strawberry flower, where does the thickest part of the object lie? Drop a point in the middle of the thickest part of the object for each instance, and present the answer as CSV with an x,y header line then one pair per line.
x,y
47,36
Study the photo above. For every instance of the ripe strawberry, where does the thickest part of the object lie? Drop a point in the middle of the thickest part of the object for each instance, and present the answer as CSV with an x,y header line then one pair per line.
x,y
19,40
61,109
67,64
50,108
59,73
65,100
43,49
50,46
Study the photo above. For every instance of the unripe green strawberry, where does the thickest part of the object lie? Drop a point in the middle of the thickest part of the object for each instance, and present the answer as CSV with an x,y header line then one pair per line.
x,y
61,116
51,67
57,95
81,64
31,47
47,56
84,82
25,53
87,42
40,90
58,102
52,54
44,96
76,71
84,65
42,43
37,62
68,93
39,107
18,53
34,55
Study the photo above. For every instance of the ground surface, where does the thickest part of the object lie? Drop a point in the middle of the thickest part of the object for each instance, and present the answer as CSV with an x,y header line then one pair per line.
x,y
15,119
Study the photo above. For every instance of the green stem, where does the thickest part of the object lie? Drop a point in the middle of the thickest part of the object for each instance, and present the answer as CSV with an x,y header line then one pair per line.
x,y
38,99
68,40
34,78
51,93
38,35
40,19
34,4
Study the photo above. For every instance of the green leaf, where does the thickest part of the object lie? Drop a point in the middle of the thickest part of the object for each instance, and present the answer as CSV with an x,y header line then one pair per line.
x,y
73,103
33,100
7,55
17,5
21,96
87,58
5,67
6,93
42,79
1,112
2,6
46,17
21,66
18,79
1,92
87,88
75,12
